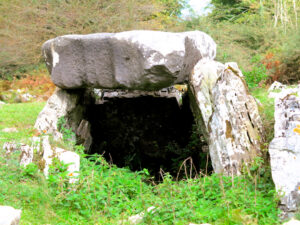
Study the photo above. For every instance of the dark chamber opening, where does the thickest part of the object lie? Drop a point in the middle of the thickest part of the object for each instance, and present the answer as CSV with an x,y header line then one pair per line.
x,y
148,132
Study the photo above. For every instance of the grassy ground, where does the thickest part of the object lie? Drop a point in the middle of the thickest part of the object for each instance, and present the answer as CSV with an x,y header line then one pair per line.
x,y
107,195
20,116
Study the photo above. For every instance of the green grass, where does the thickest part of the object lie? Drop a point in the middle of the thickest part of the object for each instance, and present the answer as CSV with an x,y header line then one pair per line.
x,y
106,194
21,116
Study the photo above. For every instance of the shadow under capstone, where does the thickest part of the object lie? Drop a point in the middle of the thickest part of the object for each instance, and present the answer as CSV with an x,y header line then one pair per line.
x,y
148,132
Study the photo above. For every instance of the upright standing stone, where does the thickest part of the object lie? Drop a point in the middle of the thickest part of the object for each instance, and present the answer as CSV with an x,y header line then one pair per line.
x,y
285,150
229,113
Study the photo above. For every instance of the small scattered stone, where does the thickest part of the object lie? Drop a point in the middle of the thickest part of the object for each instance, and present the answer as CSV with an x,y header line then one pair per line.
x,y
137,219
27,97
199,224
10,130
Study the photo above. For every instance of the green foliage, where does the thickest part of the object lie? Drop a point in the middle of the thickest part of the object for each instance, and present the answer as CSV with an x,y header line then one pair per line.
x,y
105,194
290,58
68,134
21,116
229,10
266,110
30,170
257,74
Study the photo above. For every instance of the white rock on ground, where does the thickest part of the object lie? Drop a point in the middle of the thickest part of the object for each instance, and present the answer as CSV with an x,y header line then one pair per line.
x,y
229,114
47,154
27,152
284,151
27,97
199,224
137,219
10,147
292,222
9,130
9,215
67,157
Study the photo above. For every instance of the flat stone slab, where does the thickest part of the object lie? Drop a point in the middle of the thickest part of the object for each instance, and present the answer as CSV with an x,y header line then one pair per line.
x,y
136,60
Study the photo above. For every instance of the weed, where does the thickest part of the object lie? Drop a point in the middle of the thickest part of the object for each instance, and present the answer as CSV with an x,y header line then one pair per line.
x,y
258,73
68,134
30,170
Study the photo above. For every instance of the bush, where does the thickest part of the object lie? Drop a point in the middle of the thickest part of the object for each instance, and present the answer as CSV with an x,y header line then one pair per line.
x,y
258,73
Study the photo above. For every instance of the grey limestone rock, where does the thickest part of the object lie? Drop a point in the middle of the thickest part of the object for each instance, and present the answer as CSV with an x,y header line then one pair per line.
x,y
285,150
138,60
228,113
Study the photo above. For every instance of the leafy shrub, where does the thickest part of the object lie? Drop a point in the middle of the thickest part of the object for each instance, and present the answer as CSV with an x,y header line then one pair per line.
x,y
30,170
258,73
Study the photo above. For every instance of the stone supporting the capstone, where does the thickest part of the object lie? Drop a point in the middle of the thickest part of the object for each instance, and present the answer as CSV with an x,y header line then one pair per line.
x,y
229,114
61,104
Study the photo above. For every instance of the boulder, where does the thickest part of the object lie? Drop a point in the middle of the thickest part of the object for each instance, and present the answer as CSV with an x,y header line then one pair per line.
x,y
138,60
229,114
284,151
9,215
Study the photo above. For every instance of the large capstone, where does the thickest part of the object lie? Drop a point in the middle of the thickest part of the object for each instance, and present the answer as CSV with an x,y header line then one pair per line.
x,y
138,60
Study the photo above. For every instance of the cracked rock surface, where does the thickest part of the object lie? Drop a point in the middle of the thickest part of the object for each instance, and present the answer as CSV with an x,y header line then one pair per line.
x,y
138,60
